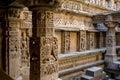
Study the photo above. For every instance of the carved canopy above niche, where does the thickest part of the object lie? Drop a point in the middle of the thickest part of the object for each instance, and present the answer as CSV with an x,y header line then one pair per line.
x,y
113,16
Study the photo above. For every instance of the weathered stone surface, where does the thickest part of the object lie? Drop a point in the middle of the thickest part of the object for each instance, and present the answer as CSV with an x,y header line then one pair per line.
x,y
73,18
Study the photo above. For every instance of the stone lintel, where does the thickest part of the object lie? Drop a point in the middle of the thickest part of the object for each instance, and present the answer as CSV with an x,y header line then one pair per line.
x,y
107,16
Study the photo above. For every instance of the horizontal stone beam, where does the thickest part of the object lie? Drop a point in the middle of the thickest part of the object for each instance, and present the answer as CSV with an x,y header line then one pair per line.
x,y
107,16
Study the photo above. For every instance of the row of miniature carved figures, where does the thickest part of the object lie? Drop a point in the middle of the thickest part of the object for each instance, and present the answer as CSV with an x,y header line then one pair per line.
x,y
113,4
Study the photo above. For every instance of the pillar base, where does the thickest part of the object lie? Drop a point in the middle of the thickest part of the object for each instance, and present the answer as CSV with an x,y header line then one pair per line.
x,y
110,58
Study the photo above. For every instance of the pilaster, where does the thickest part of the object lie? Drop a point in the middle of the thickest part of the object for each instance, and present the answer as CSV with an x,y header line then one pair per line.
x,y
13,41
111,42
43,46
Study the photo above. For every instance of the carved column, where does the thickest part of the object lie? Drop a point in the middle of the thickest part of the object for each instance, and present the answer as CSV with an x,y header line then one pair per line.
x,y
13,41
111,42
43,46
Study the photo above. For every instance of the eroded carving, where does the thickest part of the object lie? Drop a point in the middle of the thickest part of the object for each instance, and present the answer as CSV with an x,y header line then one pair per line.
x,y
25,48
48,50
49,69
15,13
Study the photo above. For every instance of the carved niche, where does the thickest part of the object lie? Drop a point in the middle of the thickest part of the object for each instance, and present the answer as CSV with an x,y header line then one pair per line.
x,y
65,42
92,40
43,22
82,40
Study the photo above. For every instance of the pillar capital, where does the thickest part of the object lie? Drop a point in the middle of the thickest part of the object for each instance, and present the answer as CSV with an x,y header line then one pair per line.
x,y
111,24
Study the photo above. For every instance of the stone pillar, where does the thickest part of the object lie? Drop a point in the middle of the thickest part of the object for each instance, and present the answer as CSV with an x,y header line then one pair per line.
x,y
111,42
43,46
13,41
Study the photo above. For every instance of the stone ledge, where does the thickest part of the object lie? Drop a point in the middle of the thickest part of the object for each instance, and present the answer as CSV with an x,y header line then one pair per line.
x,y
83,52
78,68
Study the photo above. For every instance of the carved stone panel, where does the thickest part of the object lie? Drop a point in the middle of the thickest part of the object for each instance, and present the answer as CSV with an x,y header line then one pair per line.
x,y
92,41
48,49
14,52
82,41
66,42
24,49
